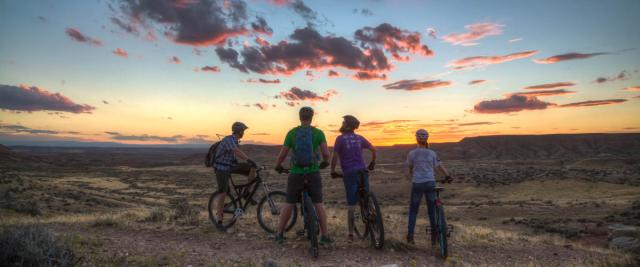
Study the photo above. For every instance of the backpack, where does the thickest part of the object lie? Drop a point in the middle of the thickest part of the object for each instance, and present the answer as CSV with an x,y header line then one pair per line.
x,y
210,158
303,155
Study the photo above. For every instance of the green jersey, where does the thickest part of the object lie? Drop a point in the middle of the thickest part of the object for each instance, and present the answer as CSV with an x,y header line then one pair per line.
x,y
317,139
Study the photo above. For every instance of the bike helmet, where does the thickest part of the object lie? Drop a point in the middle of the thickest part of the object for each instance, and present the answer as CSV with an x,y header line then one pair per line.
x,y
238,127
306,113
350,123
422,135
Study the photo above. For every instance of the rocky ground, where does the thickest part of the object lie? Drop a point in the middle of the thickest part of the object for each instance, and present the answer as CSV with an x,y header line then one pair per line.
x,y
149,213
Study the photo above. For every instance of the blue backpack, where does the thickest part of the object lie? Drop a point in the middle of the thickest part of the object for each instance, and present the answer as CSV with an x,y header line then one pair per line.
x,y
303,155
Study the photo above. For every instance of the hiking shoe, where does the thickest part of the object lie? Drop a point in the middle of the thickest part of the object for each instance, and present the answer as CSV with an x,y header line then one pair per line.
x,y
410,240
219,226
325,241
279,238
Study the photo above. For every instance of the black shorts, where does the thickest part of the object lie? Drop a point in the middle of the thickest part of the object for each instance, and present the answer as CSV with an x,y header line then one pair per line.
x,y
296,183
222,177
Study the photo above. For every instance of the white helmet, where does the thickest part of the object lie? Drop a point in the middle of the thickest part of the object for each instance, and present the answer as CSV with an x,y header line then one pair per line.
x,y
422,135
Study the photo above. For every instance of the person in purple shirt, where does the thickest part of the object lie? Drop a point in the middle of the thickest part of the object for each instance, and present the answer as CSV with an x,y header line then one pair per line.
x,y
348,147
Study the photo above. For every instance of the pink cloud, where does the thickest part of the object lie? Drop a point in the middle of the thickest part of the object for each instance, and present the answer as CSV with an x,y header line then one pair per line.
x,y
175,60
478,61
545,93
77,36
567,56
474,82
296,94
633,88
263,81
416,85
210,68
474,32
33,98
511,103
121,53
550,86
591,103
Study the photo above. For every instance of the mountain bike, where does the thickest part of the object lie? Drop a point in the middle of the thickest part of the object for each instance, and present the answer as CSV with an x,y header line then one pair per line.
x,y
311,221
443,231
370,221
238,199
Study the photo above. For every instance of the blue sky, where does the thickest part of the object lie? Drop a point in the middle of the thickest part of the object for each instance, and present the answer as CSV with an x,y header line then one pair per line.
x,y
145,89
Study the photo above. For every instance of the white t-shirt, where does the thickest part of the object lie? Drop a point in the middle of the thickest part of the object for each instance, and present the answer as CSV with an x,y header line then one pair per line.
x,y
424,162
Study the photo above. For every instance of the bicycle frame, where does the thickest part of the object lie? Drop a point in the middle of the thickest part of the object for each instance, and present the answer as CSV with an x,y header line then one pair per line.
x,y
243,199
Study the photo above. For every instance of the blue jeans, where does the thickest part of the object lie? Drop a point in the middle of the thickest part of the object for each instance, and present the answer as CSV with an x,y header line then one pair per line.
x,y
351,185
417,191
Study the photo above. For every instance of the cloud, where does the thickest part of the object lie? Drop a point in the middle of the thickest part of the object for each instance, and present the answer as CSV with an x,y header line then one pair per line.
x,y
477,82
364,76
304,11
210,68
474,32
432,32
477,123
479,61
307,50
416,85
364,11
515,40
4,128
175,60
296,94
196,23
333,73
261,106
549,86
105,102
377,124
567,56
127,27
121,53
511,103
24,98
591,103
633,88
623,75
144,137
261,26
392,39
263,81
259,133
545,93
77,36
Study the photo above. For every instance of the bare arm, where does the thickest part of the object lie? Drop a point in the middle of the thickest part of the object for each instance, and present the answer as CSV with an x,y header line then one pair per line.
x,y
373,153
282,156
240,154
325,151
441,170
334,161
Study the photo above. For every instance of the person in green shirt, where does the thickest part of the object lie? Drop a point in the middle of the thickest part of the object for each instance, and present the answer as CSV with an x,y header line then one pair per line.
x,y
305,141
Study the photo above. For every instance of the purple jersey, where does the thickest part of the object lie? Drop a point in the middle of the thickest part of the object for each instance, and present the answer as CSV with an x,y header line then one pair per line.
x,y
349,148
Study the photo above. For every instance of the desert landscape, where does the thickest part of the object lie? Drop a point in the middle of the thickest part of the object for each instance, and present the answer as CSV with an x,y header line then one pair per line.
x,y
543,200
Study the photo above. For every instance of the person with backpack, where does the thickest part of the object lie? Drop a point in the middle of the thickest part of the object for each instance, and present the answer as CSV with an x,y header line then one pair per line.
x,y
348,148
423,163
305,141
224,161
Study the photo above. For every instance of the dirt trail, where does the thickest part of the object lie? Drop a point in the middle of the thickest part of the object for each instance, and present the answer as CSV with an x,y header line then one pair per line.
x,y
204,246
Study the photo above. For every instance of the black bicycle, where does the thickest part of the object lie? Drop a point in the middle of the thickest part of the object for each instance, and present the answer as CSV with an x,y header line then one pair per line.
x,y
237,202
443,231
369,222
311,221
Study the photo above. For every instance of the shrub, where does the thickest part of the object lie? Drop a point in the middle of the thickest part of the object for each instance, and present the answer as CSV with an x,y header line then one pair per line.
x,y
183,211
156,215
106,221
34,245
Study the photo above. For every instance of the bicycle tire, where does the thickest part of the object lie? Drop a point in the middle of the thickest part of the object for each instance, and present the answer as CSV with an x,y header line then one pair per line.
x,y
311,220
375,224
442,233
229,208
265,206
360,225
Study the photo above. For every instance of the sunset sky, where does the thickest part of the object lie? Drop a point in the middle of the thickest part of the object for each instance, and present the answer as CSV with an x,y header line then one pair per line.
x,y
182,71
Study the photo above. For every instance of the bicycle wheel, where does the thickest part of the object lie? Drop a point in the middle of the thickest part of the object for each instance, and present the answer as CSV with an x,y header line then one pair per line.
x,y
311,222
228,209
376,227
442,233
269,212
360,225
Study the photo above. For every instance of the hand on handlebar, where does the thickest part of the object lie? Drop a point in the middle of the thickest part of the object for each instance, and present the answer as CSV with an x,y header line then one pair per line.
x,y
280,169
335,174
252,163
447,179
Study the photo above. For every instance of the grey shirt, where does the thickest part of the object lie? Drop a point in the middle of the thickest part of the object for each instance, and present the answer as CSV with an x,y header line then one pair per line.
x,y
424,162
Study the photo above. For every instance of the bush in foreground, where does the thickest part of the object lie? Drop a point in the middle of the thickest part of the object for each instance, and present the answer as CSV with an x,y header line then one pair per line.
x,y
34,245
